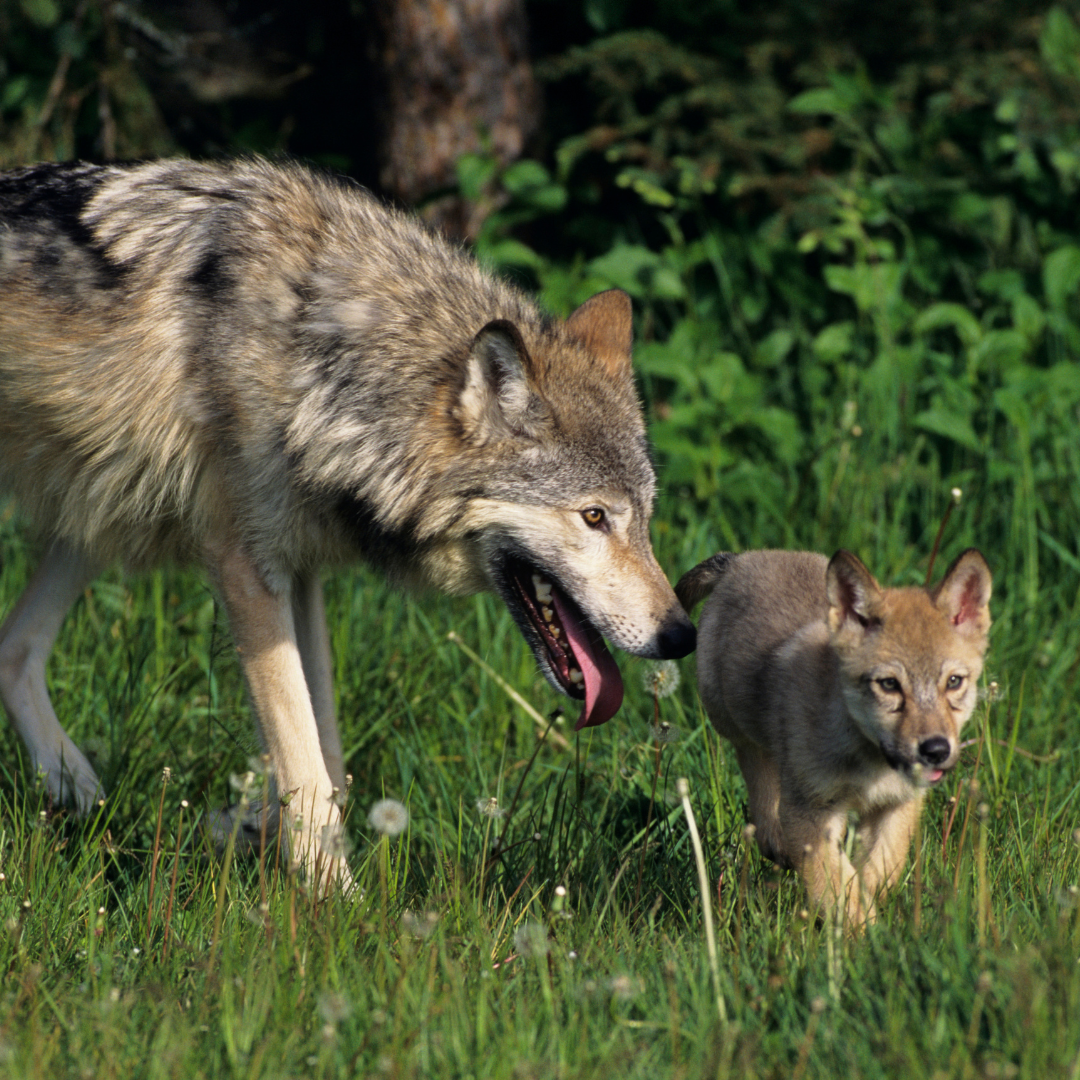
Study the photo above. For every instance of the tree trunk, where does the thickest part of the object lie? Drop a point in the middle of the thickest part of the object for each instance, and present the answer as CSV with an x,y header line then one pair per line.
x,y
457,80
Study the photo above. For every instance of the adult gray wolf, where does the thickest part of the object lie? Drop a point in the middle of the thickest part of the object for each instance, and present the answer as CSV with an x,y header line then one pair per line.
x,y
262,368
838,696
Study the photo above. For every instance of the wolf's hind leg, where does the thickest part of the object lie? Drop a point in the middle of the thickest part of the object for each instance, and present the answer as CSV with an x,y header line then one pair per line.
x,y
26,640
762,778
313,640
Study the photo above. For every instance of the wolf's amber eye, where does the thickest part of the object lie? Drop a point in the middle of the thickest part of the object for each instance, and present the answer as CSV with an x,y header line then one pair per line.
x,y
955,682
594,517
890,685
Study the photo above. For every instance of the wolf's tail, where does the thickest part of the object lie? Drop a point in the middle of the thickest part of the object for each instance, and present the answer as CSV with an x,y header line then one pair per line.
x,y
696,584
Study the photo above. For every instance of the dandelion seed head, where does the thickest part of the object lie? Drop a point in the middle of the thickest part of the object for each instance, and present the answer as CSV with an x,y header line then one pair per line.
x,y
166,775
184,804
420,925
531,939
660,678
334,842
245,783
334,1007
664,733
624,986
388,817
490,808
956,494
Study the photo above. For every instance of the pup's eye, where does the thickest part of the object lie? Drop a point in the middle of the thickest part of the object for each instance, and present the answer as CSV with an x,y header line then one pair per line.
x,y
890,685
594,517
955,682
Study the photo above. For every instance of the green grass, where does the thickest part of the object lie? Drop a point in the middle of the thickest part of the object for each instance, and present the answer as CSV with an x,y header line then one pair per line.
x,y
460,959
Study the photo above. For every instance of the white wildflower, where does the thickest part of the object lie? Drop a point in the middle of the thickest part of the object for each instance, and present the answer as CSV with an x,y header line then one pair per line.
x,y
664,733
334,842
531,939
490,808
419,926
388,817
661,678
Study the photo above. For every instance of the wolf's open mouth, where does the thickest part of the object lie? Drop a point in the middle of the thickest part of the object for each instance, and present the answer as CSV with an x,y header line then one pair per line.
x,y
920,774
575,652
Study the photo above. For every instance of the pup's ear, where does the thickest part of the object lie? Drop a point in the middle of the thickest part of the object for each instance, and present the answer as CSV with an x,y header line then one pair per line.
x,y
852,592
604,325
964,593
497,400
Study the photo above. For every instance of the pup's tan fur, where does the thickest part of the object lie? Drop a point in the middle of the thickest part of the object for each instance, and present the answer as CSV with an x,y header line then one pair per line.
x,y
838,696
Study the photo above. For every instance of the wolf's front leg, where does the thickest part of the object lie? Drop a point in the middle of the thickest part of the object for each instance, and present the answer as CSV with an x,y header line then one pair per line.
x,y
815,839
265,635
885,840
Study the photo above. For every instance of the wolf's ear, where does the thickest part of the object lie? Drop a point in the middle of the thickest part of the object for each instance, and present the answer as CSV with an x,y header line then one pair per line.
x,y
497,399
964,593
604,325
852,592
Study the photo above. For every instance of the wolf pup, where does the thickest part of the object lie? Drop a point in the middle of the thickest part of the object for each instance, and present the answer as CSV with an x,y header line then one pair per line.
x,y
266,370
838,696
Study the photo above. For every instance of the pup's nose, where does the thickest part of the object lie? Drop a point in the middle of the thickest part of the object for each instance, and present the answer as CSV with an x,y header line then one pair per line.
x,y
935,750
677,639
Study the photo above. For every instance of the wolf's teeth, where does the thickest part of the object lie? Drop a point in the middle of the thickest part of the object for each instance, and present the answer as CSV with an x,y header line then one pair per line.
x,y
547,613
543,593
576,676
555,632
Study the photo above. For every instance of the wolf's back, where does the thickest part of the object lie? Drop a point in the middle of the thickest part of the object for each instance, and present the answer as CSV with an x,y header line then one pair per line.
x,y
172,328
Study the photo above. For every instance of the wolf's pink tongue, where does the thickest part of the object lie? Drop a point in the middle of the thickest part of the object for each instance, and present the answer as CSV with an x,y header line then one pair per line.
x,y
603,683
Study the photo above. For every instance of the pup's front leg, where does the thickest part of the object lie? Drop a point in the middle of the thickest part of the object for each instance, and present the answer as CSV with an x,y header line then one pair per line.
x,y
885,838
265,635
815,840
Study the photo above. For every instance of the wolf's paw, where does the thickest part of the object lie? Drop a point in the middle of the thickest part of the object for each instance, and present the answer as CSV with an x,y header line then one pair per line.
x,y
70,779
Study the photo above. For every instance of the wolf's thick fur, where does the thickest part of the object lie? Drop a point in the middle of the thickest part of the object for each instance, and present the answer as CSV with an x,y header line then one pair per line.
x,y
838,696
266,370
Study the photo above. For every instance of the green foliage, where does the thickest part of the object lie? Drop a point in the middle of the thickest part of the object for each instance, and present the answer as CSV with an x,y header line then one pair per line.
x,y
68,87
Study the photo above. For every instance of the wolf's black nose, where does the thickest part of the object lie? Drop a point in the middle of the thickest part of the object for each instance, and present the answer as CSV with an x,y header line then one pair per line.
x,y
677,639
935,750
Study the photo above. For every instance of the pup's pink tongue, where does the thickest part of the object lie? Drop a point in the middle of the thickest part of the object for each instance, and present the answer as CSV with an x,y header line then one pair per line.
x,y
603,682
934,775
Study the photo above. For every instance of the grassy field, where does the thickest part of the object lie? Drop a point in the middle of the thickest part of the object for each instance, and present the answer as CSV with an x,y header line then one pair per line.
x,y
559,931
